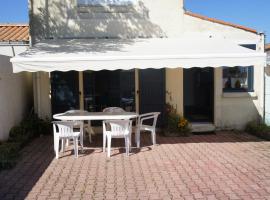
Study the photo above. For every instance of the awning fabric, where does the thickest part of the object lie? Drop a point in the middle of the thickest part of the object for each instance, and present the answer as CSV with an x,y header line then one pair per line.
x,y
112,54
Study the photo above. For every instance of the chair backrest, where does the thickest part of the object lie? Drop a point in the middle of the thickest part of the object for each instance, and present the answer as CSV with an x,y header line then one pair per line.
x,y
113,110
148,116
65,128
118,127
78,112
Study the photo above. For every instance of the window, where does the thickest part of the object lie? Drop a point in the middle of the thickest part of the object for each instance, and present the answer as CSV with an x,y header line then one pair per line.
x,y
249,46
105,2
109,89
238,79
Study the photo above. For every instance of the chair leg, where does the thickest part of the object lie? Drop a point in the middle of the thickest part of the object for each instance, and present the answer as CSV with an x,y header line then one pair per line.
x,y
130,142
81,140
90,130
153,133
104,142
67,142
138,135
109,141
54,144
90,137
127,145
56,148
75,141
62,145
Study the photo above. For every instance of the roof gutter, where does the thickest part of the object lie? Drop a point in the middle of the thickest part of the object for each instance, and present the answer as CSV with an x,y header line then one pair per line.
x,y
14,43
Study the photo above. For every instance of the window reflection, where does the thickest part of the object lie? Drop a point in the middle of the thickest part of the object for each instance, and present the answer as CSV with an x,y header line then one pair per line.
x,y
237,78
109,89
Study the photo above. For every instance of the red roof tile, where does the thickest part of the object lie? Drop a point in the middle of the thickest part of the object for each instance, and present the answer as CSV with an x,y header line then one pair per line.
x,y
267,47
14,33
220,22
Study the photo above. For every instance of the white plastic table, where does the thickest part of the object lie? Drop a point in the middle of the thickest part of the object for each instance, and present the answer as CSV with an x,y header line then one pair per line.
x,y
93,116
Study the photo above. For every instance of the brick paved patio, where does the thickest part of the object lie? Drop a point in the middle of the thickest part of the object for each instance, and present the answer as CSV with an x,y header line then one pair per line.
x,y
222,166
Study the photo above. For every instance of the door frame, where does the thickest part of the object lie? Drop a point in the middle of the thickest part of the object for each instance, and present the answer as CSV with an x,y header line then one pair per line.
x,y
162,114
213,114
81,93
139,88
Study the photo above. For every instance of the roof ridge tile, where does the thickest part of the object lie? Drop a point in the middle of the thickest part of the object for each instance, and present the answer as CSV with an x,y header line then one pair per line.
x,y
220,22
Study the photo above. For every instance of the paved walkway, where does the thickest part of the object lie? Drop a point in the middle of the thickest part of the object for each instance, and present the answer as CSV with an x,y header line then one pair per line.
x,y
222,166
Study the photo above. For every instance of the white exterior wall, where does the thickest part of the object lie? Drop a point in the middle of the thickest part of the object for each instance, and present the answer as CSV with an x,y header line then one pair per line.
x,y
195,26
267,90
232,110
146,18
159,18
16,93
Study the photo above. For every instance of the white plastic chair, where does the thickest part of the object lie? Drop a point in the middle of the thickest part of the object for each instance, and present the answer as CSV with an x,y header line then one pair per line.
x,y
116,129
65,130
144,127
86,126
113,110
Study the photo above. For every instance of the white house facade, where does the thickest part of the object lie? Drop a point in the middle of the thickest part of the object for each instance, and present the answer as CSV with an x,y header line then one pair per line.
x,y
267,85
226,97
267,49
16,89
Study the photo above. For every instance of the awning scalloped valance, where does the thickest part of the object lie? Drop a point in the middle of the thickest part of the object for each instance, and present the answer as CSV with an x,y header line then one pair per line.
x,y
112,54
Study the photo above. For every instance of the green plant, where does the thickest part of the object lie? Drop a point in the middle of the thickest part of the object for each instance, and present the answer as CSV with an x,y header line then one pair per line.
x,y
258,129
19,136
9,154
176,124
36,126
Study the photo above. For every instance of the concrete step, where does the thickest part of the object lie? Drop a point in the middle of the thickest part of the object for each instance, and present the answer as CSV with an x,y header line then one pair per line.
x,y
200,127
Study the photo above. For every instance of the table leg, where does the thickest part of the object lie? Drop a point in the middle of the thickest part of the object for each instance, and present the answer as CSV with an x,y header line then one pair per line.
x,y
67,142
90,131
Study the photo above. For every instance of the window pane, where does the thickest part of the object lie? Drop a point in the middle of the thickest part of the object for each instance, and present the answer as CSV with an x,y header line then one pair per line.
x,y
238,79
249,46
109,89
65,91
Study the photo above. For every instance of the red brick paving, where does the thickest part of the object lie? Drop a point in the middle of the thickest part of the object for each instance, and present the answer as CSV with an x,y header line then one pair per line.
x,y
222,166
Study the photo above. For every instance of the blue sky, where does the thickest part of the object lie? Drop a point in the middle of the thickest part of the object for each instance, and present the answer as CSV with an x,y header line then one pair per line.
x,y
250,13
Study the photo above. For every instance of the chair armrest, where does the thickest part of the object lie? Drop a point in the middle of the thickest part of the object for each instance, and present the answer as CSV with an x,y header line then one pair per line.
x,y
146,118
146,114
143,117
104,126
54,127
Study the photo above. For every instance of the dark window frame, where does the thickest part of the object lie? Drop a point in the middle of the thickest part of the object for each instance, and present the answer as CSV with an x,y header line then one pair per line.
x,y
250,81
250,74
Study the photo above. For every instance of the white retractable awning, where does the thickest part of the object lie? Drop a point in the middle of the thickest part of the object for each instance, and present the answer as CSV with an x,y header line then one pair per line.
x,y
112,54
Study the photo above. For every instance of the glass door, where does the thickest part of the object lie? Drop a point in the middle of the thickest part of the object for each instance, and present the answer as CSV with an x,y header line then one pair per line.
x,y
64,91
109,89
199,94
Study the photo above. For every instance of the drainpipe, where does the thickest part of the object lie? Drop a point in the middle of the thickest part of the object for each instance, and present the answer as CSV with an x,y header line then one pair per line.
x,y
264,78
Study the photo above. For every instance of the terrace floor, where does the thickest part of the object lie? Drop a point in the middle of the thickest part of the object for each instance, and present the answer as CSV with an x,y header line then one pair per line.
x,y
222,166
